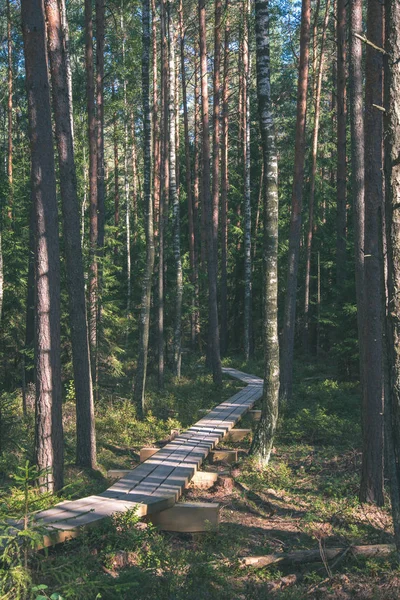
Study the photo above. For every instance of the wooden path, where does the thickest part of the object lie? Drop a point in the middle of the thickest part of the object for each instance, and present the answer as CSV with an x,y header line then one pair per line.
x,y
157,483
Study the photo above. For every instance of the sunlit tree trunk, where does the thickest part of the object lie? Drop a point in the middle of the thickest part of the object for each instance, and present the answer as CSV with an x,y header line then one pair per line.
x,y
10,127
247,189
85,427
49,448
144,325
225,188
212,226
116,173
174,197
357,164
296,210
156,121
263,439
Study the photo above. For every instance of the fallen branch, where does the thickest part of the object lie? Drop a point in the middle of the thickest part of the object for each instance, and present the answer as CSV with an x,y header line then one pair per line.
x,y
255,498
308,556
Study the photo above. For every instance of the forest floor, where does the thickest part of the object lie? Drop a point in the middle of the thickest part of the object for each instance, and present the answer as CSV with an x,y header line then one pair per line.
x,y
306,499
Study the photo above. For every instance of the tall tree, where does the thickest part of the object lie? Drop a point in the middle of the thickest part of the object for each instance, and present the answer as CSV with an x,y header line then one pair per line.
x,y
194,317
392,188
225,187
247,189
263,439
48,421
144,326
296,209
93,233
211,225
341,170
86,441
156,119
9,114
357,163
318,75
371,489
174,196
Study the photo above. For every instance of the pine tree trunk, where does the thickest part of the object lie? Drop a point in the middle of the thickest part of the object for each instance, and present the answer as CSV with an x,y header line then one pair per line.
x,y
263,439
144,325
10,127
192,242
93,275
156,122
392,188
65,37
164,173
116,174
211,223
100,40
174,197
318,74
297,203
247,189
85,428
225,188
357,165
126,184
48,422
371,488
341,148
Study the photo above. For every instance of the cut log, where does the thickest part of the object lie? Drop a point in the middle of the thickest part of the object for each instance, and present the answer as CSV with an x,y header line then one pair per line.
x,y
308,556
227,456
146,453
188,517
237,435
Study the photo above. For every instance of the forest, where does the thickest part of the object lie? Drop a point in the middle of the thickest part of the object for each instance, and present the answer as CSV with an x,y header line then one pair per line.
x,y
199,299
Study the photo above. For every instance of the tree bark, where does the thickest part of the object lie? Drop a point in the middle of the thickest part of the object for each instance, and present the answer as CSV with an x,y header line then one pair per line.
x,y
247,189
93,234
318,74
211,225
371,489
263,439
357,164
144,326
85,427
9,122
174,197
156,122
48,421
392,188
225,188
297,203
194,317
341,169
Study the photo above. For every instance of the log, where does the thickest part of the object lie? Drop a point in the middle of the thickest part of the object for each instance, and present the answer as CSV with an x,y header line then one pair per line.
x,y
309,556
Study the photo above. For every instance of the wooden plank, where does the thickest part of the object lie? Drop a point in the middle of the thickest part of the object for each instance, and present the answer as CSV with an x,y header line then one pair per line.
x,y
255,415
237,435
188,517
228,456
117,473
147,452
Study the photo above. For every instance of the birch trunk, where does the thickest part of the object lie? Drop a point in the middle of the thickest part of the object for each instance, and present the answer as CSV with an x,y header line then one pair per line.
x,y
174,197
264,436
247,189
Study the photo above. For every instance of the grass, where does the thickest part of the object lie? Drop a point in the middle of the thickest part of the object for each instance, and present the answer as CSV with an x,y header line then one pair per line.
x,y
311,483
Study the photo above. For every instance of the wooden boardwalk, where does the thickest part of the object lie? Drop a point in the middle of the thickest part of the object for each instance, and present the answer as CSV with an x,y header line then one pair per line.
x,y
157,483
